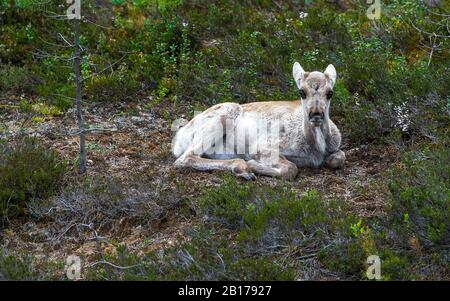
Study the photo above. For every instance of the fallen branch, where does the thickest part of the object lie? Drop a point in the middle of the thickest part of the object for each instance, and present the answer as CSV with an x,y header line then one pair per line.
x,y
433,47
112,265
98,240
433,34
92,130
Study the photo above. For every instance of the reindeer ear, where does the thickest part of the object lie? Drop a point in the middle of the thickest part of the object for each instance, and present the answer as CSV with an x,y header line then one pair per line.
x,y
297,73
331,73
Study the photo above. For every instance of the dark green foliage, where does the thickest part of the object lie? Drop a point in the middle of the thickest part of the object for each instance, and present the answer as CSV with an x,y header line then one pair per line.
x,y
272,216
22,267
421,197
202,52
60,95
17,80
347,258
13,268
413,239
111,87
246,226
28,171
397,266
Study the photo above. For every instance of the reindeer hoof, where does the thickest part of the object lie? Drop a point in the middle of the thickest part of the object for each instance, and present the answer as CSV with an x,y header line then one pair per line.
x,y
240,169
336,160
247,176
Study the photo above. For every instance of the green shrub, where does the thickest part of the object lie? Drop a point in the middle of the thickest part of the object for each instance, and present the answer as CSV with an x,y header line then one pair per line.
x,y
111,88
23,267
230,51
246,228
207,256
28,171
255,210
396,266
17,80
266,218
18,269
420,197
60,95
347,258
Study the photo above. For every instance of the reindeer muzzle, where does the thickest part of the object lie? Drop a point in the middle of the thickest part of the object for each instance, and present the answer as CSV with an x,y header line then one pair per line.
x,y
316,118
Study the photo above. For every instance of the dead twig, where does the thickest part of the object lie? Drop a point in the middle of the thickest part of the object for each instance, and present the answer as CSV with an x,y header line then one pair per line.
x,y
112,265
93,130
97,239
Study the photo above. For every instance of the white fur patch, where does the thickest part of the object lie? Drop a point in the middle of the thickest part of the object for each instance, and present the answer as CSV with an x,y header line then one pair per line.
x,y
297,73
320,139
331,72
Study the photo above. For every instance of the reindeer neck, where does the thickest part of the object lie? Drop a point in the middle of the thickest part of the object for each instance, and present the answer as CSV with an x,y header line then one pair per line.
x,y
316,136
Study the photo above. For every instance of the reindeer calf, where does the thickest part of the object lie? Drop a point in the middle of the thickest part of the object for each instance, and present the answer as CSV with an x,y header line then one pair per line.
x,y
271,138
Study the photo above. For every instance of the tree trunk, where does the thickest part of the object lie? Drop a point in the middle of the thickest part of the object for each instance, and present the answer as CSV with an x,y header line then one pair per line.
x,y
77,67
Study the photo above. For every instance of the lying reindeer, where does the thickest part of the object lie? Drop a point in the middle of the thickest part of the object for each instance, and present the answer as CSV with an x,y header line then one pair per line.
x,y
230,136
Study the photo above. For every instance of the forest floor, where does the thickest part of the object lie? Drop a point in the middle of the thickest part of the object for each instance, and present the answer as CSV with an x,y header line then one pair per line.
x,y
133,155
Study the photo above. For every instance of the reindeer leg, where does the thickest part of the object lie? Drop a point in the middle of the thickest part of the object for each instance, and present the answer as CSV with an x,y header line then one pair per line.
x,y
280,168
336,160
207,135
237,166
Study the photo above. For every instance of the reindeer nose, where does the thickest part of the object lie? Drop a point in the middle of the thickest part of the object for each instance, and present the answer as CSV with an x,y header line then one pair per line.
x,y
316,115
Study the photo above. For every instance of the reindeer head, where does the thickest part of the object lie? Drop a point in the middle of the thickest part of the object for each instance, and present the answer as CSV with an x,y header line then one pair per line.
x,y
316,90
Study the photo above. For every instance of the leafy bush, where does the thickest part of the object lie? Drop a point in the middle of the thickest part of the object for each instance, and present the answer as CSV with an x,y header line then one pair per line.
x,y
198,52
16,266
272,216
112,88
28,171
13,268
347,258
421,194
17,79
246,226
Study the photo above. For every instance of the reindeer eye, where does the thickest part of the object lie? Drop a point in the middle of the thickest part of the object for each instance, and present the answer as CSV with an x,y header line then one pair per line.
x,y
329,94
302,94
